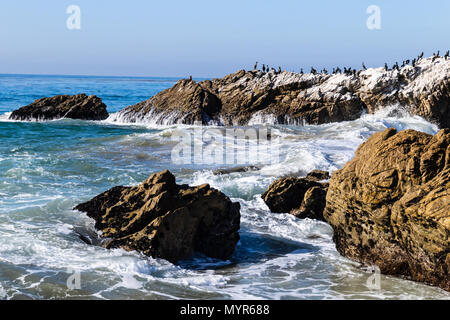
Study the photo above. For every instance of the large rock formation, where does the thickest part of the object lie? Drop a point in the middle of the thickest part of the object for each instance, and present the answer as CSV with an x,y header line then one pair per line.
x,y
390,205
252,97
302,197
162,219
186,102
79,106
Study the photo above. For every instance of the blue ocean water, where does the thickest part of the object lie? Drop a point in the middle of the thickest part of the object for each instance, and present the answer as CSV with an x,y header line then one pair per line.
x,y
116,92
46,168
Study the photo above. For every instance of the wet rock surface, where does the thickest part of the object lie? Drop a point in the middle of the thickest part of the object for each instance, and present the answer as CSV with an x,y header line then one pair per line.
x,y
390,205
302,197
162,219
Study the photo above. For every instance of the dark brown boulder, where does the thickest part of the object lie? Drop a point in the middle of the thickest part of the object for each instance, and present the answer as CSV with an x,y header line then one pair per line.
x,y
390,205
79,106
162,219
302,197
186,102
313,204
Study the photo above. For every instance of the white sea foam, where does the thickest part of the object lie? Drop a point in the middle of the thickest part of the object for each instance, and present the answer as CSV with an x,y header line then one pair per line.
x,y
278,256
5,117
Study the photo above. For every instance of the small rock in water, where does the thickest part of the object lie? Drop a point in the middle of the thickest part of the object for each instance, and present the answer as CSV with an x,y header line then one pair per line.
x,y
302,197
79,106
234,170
162,219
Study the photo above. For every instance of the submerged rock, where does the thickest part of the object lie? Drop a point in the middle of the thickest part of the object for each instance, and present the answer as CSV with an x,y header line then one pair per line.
x,y
219,172
302,197
162,219
79,106
255,97
390,205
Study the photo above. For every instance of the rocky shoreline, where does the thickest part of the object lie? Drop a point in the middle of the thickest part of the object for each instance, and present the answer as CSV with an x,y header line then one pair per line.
x,y
389,206
249,97
257,97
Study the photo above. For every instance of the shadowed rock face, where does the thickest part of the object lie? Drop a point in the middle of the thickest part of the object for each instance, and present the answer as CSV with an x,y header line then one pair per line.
x,y
253,97
301,197
390,205
186,102
79,106
162,219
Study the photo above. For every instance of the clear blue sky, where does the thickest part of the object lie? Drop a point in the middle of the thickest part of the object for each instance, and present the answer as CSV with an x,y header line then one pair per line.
x,y
210,38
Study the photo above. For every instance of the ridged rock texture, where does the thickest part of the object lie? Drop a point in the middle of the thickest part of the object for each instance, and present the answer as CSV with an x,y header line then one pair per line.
x,y
255,97
79,106
162,219
390,205
301,197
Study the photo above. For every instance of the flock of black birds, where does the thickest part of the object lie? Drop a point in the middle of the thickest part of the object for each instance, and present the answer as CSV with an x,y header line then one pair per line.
x,y
267,68
350,71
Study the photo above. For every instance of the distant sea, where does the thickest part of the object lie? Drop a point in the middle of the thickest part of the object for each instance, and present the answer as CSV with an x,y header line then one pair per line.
x,y
116,92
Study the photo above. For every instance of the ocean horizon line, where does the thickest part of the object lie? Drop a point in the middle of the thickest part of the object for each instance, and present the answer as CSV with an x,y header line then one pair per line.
x,y
100,76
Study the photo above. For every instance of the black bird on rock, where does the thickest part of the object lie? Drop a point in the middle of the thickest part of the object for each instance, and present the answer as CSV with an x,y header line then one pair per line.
x,y
313,71
447,54
364,66
386,67
256,66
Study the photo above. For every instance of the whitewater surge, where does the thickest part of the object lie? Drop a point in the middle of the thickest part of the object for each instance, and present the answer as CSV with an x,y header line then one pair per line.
x,y
48,168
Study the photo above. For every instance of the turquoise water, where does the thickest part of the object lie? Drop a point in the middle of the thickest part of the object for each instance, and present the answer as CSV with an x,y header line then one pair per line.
x,y
47,168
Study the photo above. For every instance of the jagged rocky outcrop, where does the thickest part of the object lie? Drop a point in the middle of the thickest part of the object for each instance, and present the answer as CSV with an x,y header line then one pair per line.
x,y
162,219
78,106
301,197
250,97
390,205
